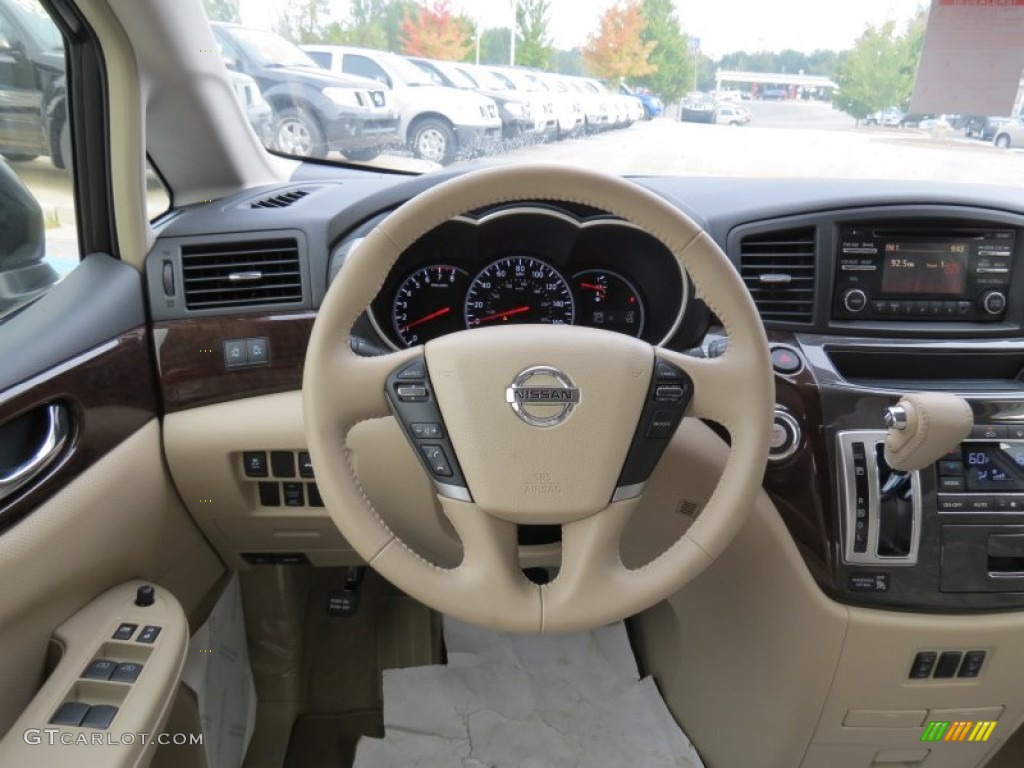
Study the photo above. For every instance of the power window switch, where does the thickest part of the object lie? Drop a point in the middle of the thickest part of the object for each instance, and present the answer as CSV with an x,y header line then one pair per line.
x,y
70,713
924,661
99,716
100,669
148,634
124,631
126,673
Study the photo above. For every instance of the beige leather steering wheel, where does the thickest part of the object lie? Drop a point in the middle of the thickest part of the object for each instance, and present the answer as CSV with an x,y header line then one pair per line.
x,y
514,472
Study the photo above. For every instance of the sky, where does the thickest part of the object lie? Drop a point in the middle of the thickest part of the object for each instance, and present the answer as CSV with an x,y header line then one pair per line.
x,y
725,25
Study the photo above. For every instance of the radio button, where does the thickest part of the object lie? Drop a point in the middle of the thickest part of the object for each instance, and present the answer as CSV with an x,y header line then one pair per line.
x,y
854,300
919,307
949,307
1010,503
992,302
964,307
893,307
880,307
951,484
934,307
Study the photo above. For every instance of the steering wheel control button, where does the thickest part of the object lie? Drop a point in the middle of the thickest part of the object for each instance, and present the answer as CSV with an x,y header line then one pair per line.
x,y
99,716
413,372
427,431
124,631
923,664
70,713
668,397
411,393
542,396
148,634
100,669
255,463
786,361
436,460
418,414
126,673
661,426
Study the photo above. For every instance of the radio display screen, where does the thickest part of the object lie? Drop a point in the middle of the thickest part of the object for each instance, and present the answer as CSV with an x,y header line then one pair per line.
x,y
919,268
994,466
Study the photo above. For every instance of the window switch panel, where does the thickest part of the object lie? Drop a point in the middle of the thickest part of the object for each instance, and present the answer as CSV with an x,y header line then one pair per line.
x,y
99,716
100,669
126,673
70,713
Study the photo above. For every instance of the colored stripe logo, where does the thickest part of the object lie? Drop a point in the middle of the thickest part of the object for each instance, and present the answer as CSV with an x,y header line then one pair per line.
x,y
958,730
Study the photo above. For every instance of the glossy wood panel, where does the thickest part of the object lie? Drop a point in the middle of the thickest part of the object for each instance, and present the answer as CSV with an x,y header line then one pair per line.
x,y
193,371
801,486
110,393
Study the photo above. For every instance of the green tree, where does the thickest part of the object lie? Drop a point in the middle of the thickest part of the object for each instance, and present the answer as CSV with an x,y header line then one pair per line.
x,y
879,70
222,10
371,24
533,46
674,74
494,46
303,21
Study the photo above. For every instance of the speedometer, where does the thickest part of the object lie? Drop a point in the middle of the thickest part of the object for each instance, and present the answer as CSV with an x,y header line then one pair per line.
x,y
519,289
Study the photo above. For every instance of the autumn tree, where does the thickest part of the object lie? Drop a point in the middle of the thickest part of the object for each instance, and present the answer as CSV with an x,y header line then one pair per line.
x,y
673,64
435,32
533,47
617,50
879,70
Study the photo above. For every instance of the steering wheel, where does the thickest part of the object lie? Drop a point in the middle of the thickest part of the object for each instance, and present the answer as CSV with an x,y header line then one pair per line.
x,y
537,424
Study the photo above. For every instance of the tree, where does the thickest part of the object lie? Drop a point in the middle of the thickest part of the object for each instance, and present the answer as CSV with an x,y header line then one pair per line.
x,y
371,24
878,72
494,46
303,21
436,33
674,67
222,10
617,50
533,47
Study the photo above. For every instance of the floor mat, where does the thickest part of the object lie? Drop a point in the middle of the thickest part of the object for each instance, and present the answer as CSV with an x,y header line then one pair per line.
x,y
329,741
507,700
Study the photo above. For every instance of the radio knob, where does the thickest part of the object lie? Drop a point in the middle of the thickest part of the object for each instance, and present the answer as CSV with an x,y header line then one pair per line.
x,y
854,300
993,302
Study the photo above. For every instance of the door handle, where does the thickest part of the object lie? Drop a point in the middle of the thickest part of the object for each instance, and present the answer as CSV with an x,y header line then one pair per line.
x,y
57,430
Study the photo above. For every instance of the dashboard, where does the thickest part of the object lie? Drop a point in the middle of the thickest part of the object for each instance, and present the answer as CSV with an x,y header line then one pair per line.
x,y
866,294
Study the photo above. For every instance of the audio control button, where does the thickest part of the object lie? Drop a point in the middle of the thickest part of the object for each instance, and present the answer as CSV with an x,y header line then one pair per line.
x,y
993,303
854,300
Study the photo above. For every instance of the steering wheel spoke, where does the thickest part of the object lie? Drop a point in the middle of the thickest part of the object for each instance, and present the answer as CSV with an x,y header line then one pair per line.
x,y
717,385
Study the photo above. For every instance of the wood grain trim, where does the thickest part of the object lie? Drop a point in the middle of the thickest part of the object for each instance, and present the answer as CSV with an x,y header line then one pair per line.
x,y
190,357
110,392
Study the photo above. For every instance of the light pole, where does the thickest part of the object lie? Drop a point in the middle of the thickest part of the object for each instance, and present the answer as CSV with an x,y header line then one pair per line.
x,y
512,29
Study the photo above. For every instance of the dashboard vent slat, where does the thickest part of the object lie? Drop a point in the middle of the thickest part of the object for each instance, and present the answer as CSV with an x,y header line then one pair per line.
x,y
280,200
271,268
778,269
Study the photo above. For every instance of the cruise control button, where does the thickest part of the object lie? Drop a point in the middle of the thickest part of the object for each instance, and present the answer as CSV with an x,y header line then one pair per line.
x,y
661,424
411,393
669,393
437,460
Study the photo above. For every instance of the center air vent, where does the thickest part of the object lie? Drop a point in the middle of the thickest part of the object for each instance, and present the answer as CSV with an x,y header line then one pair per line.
x,y
778,270
281,200
252,273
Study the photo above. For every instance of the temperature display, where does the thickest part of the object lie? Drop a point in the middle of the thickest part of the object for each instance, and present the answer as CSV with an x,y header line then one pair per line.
x,y
994,466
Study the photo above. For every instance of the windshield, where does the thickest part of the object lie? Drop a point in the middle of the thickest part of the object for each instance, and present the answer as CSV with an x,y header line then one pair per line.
x,y
880,89
268,48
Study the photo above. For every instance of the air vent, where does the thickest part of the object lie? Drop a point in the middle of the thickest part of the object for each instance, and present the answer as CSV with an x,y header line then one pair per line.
x,y
245,274
282,200
778,269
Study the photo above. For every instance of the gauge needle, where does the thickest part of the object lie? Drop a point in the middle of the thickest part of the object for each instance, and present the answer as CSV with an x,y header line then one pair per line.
x,y
502,315
433,315
591,286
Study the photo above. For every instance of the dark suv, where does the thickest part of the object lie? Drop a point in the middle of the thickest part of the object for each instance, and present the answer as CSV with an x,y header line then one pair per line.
x,y
32,94
315,111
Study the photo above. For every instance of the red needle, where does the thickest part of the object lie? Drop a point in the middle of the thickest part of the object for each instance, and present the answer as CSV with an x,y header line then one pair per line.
x,y
591,286
506,313
442,311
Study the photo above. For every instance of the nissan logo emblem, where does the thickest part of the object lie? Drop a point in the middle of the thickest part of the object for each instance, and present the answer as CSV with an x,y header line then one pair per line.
x,y
542,396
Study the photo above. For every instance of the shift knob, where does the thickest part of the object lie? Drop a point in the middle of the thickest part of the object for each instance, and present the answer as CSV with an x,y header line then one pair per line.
x,y
923,427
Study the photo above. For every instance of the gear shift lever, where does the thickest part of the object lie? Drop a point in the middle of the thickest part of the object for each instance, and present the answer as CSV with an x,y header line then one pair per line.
x,y
923,427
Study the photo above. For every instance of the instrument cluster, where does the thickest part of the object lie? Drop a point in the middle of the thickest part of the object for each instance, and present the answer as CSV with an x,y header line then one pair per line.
x,y
531,265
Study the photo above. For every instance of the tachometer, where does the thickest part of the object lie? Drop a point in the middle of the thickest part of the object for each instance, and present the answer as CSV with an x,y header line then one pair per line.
x,y
519,289
427,304
609,301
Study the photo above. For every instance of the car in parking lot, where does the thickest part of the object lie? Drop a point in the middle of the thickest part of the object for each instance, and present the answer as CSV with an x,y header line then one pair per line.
x,y
889,118
984,127
731,114
653,106
438,123
1010,134
315,112
698,107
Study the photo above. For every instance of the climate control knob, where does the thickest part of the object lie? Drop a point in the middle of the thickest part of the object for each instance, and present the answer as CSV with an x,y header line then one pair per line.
x,y
992,303
854,300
